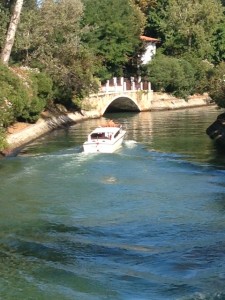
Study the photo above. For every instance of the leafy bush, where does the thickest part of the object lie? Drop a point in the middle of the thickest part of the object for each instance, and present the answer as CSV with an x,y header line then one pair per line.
x,y
171,75
42,94
2,139
14,96
42,85
113,33
23,95
4,16
76,78
202,69
217,84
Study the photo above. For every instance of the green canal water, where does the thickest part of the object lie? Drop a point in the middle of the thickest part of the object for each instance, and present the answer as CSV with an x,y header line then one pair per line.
x,y
146,222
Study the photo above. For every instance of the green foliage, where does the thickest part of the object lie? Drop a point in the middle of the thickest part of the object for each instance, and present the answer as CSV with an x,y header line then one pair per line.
x,y
219,43
186,26
13,94
217,84
4,17
23,95
41,85
171,75
155,17
30,4
202,69
42,92
56,48
75,78
3,143
145,5
114,30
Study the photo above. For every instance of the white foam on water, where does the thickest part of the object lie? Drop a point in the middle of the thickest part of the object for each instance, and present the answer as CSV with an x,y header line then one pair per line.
x,y
130,143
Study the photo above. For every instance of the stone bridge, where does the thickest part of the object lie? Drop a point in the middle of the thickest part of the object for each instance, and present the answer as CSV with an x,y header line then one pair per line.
x,y
120,95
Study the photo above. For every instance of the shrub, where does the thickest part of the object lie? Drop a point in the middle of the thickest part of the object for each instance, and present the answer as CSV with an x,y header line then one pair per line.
x,y
24,94
171,75
14,96
179,76
42,94
217,84
2,139
202,69
42,85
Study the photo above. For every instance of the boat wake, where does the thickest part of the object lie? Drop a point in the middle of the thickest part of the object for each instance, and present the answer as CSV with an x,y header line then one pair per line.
x,y
130,143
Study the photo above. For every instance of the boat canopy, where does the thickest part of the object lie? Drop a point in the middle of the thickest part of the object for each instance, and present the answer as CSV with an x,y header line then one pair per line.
x,y
104,132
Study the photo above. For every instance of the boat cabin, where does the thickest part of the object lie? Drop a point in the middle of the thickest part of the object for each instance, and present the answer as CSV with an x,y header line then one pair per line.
x,y
103,133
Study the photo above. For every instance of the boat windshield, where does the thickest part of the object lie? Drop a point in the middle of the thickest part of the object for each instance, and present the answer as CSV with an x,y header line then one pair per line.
x,y
100,135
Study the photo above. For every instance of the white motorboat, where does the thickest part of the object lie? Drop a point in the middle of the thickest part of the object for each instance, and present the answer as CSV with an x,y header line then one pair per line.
x,y
106,139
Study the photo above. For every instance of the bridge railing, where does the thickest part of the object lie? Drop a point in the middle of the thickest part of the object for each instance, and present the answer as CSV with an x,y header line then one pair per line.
x,y
122,84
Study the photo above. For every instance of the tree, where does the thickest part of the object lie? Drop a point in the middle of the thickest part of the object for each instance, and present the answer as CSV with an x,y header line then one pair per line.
x,y
54,45
145,5
23,96
4,16
6,51
115,27
189,26
217,84
171,75
219,43
155,15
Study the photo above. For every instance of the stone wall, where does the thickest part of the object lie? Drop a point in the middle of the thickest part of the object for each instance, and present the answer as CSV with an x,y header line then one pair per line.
x,y
19,139
163,101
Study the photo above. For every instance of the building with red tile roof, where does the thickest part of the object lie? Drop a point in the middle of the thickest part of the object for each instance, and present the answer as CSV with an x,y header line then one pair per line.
x,y
150,48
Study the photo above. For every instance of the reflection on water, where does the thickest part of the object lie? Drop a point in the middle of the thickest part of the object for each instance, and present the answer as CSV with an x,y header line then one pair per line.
x,y
181,132
146,222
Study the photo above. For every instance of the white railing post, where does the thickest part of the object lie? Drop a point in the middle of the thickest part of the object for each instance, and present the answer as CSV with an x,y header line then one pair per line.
x,y
132,84
149,86
107,86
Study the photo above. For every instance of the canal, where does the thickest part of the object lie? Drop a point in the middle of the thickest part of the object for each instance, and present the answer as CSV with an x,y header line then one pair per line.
x,y
146,222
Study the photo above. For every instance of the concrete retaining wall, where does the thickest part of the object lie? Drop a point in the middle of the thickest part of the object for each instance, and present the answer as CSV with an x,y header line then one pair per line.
x,y
162,101
17,140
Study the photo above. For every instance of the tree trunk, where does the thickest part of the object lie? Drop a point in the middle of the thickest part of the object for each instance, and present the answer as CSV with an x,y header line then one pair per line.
x,y
6,51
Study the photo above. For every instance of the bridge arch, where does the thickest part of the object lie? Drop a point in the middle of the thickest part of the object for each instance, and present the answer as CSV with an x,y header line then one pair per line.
x,y
133,100
121,103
